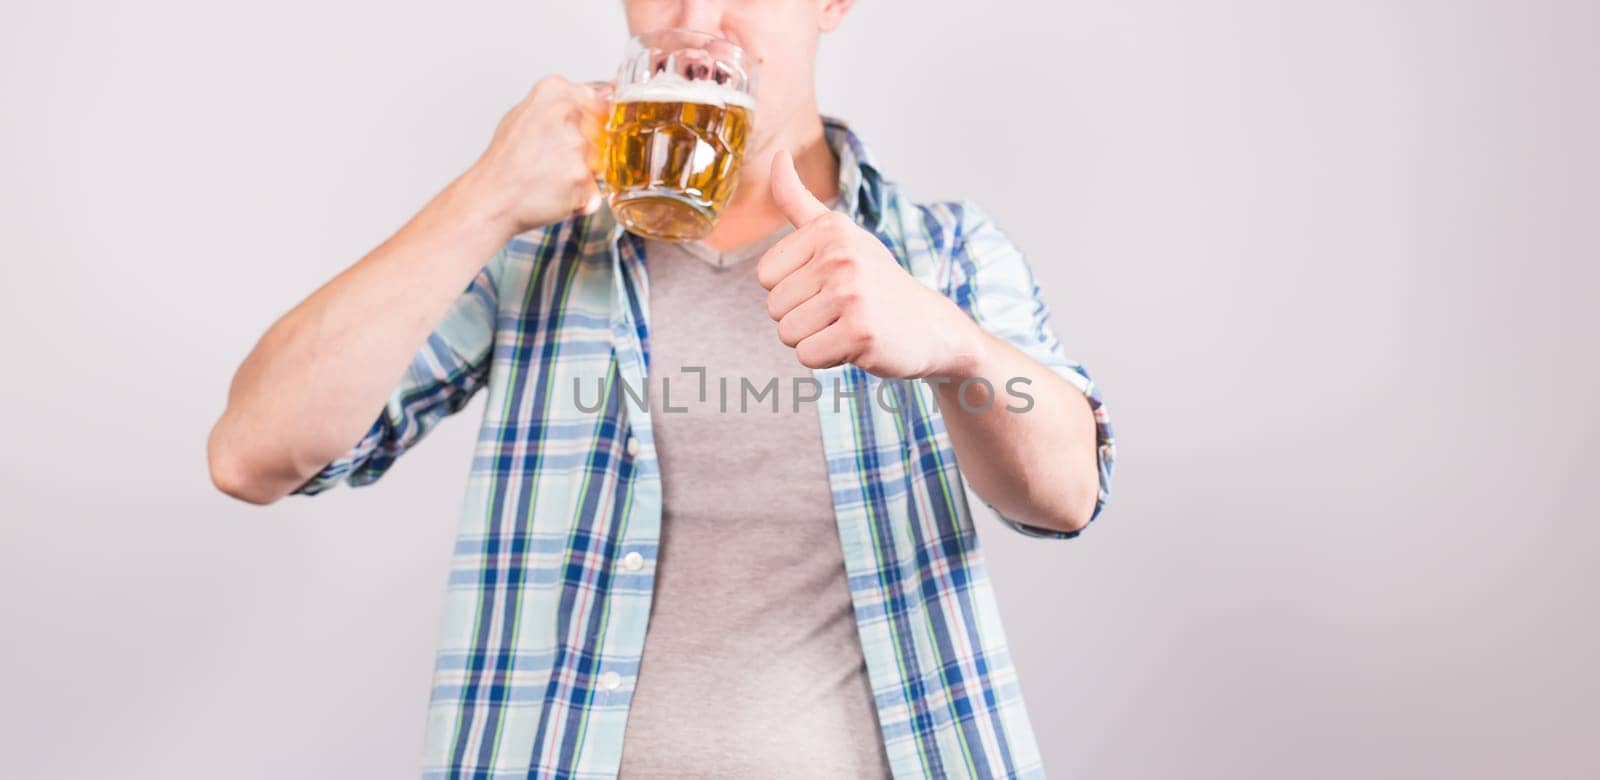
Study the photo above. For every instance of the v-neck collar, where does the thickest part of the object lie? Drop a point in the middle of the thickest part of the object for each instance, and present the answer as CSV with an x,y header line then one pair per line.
x,y
724,259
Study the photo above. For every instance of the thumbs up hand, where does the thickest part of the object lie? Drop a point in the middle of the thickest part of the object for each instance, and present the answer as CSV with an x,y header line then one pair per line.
x,y
838,296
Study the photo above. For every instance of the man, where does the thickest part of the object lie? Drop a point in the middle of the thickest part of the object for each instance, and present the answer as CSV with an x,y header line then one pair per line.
x,y
808,571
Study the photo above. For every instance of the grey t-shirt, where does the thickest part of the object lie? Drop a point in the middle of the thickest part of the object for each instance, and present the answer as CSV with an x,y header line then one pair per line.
x,y
752,666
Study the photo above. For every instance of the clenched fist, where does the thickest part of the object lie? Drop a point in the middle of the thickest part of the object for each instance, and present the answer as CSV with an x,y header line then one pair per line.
x,y
540,166
838,296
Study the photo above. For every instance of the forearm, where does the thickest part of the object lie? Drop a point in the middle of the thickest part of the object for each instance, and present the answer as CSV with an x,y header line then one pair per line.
x,y
317,379
1034,463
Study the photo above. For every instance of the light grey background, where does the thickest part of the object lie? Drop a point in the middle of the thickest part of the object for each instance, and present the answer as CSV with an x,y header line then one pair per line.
x,y
1333,263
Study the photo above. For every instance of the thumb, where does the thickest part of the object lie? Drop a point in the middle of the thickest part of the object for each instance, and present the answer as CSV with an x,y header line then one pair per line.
x,y
796,202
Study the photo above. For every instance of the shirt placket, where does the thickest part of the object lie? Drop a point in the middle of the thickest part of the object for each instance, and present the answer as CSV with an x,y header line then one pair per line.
x,y
622,646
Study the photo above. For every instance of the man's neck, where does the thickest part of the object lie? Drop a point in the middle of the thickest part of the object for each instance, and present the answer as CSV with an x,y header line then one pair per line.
x,y
751,214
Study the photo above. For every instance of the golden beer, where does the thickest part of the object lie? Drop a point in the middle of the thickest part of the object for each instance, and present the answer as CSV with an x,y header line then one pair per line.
x,y
671,154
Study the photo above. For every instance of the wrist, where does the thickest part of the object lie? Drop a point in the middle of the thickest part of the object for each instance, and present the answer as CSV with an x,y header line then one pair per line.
x,y
966,350
460,222
474,198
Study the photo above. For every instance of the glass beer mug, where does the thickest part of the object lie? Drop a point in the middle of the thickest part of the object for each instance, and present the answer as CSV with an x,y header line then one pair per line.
x,y
680,118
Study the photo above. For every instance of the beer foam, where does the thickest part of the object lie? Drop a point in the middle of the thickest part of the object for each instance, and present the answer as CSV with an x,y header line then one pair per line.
x,y
673,88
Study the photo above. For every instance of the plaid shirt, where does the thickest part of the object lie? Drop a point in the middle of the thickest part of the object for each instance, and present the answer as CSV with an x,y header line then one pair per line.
x,y
549,592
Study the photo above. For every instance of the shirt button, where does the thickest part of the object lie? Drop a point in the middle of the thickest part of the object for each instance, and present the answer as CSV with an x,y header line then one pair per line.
x,y
633,447
610,681
633,561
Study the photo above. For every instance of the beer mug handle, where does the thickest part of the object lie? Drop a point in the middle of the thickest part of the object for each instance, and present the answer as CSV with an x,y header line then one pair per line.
x,y
604,90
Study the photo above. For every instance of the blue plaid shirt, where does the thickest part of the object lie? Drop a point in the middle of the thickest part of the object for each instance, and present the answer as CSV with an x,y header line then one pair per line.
x,y
546,613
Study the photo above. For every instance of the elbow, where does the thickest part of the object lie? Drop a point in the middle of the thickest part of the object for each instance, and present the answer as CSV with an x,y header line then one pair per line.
x,y
1073,501
230,477
233,475
1068,520
1078,507
1066,509
1077,518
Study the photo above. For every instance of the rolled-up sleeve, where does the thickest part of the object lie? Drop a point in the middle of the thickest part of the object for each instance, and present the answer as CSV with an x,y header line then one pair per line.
x,y
990,280
446,372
